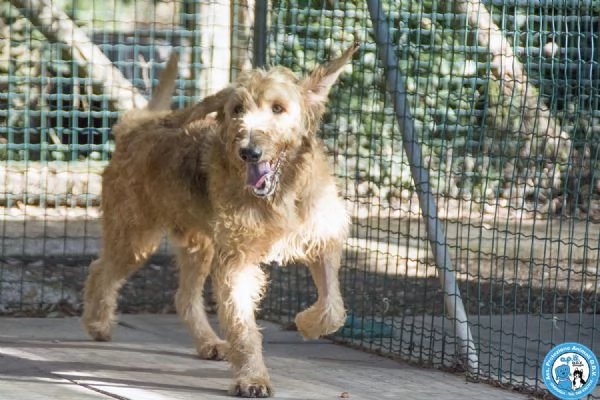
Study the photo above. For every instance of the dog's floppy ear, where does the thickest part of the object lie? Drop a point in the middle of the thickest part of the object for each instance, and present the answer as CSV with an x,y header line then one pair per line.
x,y
210,104
198,111
320,81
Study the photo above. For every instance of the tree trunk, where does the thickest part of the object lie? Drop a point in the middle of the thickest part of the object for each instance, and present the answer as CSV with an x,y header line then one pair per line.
x,y
536,118
57,27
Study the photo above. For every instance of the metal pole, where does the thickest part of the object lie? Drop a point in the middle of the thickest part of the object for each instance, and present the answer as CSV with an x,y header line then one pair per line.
x,y
435,233
260,33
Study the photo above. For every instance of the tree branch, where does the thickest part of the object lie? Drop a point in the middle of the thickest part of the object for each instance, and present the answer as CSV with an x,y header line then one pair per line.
x,y
56,26
537,119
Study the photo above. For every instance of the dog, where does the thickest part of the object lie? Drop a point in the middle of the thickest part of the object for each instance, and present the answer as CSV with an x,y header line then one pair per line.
x,y
578,380
236,180
563,376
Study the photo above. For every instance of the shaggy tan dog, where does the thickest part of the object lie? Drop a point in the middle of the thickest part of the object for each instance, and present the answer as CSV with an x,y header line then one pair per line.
x,y
251,185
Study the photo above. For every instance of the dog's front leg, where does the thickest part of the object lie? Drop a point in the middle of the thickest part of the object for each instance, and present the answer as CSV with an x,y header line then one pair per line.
x,y
238,288
328,314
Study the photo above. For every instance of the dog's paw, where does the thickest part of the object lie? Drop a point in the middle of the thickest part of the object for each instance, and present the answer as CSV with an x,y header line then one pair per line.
x,y
213,350
318,321
100,332
252,388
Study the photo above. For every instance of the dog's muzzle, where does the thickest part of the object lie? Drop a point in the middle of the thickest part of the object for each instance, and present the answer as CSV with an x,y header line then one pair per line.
x,y
262,177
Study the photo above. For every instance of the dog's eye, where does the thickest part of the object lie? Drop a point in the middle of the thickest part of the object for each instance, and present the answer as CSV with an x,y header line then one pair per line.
x,y
237,110
277,109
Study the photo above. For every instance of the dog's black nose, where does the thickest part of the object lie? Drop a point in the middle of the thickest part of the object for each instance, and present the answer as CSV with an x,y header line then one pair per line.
x,y
251,153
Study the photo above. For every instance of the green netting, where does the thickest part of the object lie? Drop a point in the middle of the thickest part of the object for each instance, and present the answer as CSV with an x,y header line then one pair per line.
x,y
511,145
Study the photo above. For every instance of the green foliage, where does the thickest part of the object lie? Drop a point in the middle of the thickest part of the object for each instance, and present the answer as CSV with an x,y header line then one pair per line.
x,y
468,127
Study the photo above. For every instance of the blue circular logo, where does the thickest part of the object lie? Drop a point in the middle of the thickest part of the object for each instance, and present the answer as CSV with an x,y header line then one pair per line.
x,y
570,371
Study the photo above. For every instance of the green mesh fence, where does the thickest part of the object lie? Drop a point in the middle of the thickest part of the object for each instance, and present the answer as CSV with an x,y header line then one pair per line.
x,y
505,97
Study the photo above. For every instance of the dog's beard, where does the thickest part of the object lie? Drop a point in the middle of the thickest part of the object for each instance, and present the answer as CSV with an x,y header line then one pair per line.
x,y
262,177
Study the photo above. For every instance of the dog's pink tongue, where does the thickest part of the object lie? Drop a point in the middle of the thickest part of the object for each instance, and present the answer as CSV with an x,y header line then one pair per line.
x,y
256,174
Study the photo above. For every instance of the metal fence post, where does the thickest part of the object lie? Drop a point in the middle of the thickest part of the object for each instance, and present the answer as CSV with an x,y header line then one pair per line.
x,y
435,234
260,33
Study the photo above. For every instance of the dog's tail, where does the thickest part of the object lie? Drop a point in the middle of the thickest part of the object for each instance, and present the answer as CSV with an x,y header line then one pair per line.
x,y
161,98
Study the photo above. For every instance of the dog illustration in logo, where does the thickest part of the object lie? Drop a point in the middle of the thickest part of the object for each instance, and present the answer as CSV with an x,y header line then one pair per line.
x,y
578,380
562,373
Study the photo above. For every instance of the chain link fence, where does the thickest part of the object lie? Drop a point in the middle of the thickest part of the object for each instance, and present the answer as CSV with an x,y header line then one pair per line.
x,y
504,96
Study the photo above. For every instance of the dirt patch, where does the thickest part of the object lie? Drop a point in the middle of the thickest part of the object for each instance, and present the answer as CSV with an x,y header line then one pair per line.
x,y
374,294
37,286
504,265
53,287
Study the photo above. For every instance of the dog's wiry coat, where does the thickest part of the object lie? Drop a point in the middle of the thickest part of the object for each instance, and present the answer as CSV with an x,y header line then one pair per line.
x,y
251,185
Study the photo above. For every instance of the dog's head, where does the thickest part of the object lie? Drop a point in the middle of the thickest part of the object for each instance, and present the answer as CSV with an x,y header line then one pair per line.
x,y
267,115
562,371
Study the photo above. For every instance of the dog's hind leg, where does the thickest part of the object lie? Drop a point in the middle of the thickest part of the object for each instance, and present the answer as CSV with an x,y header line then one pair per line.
x,y
125,250
328,314
194,258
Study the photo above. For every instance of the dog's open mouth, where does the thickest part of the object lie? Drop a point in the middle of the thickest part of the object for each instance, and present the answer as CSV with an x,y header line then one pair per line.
x,y
262,177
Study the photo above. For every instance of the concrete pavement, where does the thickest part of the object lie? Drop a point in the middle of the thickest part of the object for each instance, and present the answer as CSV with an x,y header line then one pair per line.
x,y
151,357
